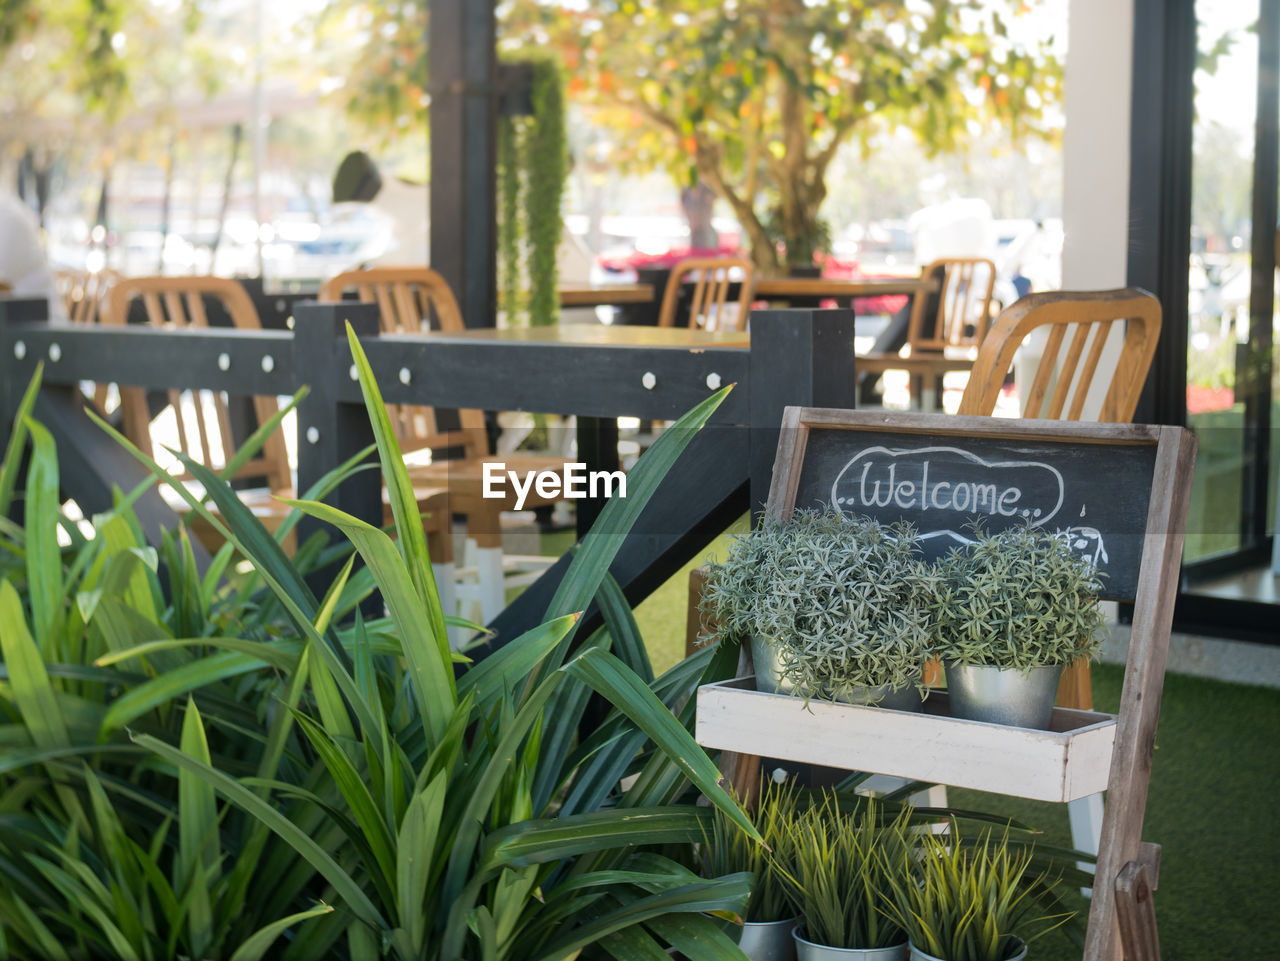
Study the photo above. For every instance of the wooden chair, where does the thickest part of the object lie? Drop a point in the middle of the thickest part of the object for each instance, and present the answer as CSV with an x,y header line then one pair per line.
x,y
710,308
203,418
1062,381
945,329
84,295
413,300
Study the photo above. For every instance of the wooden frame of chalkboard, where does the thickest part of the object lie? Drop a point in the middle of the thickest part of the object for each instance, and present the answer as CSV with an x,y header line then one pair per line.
x,y
1110,472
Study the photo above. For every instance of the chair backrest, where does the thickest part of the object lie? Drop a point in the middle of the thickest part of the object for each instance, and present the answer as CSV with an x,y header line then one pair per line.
x,y
964,305
203,419
1062,379
84,293
412,300
709,309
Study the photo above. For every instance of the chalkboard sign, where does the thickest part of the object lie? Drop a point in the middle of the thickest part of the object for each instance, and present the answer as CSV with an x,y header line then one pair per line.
x,y
943,474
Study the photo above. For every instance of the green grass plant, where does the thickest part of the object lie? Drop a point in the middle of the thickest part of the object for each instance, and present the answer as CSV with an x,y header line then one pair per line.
x,y
727,850
296,782
844,862
969,898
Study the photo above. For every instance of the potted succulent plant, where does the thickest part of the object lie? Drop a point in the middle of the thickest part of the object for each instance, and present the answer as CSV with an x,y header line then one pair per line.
x,y
972,899
836,607
844,870
1010,611
765,934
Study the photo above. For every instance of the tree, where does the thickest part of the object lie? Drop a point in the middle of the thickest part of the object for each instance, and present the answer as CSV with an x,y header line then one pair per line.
x,y
754,98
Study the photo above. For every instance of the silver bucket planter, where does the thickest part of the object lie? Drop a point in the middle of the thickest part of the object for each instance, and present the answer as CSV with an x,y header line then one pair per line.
x,y
1019,954
768,664
811,951
903,699
768,940
767,659
983,692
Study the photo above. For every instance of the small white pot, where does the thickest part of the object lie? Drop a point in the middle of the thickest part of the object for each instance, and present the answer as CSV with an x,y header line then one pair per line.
x,y
811,951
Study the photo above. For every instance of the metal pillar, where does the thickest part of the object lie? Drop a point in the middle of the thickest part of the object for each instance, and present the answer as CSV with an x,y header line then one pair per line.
x,y
464,105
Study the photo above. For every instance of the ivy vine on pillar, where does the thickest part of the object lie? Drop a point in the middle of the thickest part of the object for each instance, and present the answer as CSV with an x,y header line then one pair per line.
x,y
533,164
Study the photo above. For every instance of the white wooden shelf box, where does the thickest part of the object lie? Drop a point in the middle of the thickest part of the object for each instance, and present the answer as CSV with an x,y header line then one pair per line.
x,y
1071,760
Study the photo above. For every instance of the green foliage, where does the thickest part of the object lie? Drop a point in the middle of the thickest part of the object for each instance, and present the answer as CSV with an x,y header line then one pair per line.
x,y
755,99
846,601
199,777
1020,598
386,64
844,866
801,247
533,164
727,850
104,856
970,899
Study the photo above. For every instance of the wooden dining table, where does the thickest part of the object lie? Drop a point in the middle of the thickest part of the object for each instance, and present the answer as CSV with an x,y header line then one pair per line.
x,y
824,288
605,295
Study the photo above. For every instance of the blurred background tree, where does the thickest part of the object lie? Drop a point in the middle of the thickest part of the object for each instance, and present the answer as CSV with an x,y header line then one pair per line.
x,y
754,98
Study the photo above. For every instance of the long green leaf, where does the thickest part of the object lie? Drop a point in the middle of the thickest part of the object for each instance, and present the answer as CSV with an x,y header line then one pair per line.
x,y
609,532
183,680
621,622
32,691
430,667
255,947
554,839
346,886
360,801
292,592
729,892
697,938
404,503
44,556
17,440
259,437
619,685
415,855
197,832
501,670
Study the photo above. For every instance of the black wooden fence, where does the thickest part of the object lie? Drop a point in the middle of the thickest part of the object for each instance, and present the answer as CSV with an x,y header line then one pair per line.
x,y
800,357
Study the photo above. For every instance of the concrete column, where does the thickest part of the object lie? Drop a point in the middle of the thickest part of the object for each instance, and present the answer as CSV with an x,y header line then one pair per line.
x,y
1095,164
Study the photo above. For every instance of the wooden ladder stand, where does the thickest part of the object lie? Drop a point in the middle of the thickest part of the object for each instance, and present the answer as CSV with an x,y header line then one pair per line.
x,y
1122,491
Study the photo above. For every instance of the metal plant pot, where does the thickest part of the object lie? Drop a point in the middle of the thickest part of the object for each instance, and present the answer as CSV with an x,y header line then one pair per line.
x,y
1019,954
903,699
811,951
768,940
983,692
767,659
